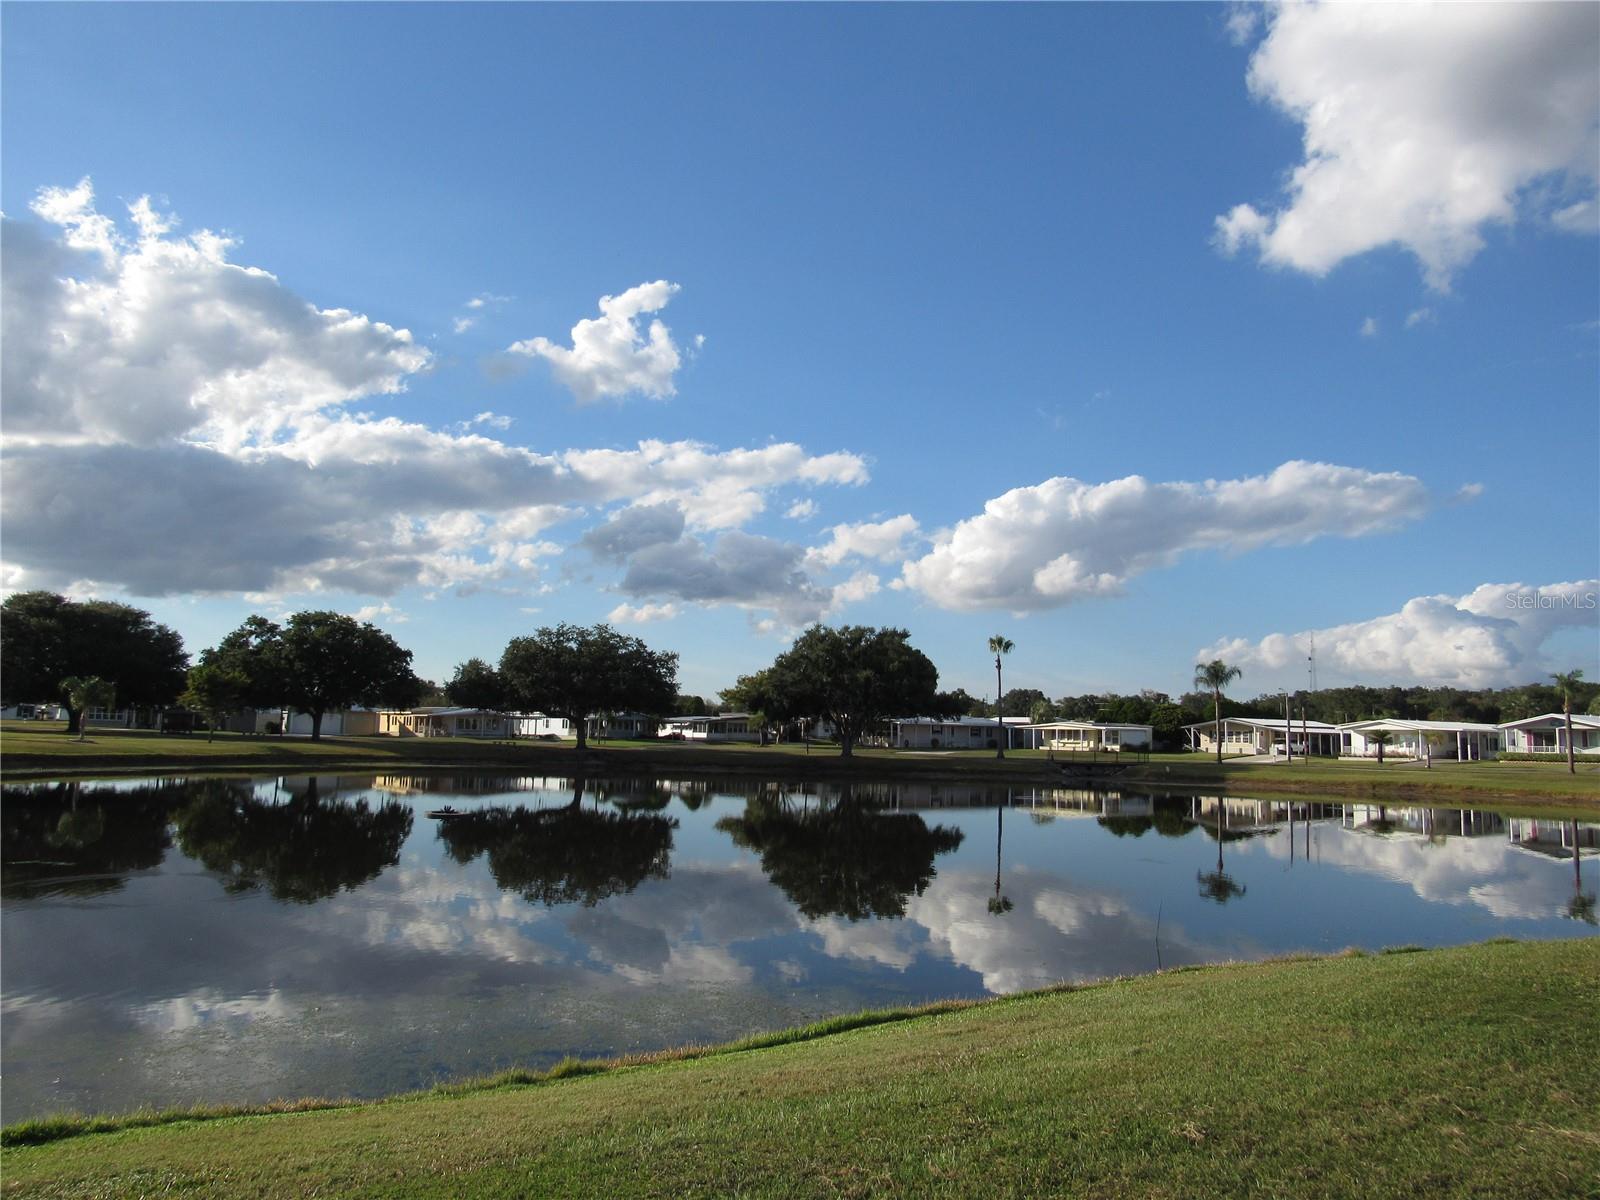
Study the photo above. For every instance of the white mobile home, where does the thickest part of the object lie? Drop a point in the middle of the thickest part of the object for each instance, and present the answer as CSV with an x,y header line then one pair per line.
x,y
538,725
1087,736
623,725
348,722
32,712
953,733
1464,741
443,722
724,727
1257,735
1547,734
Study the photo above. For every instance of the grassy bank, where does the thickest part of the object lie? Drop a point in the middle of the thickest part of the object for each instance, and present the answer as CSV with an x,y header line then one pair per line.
x,y
26,750
1463,1072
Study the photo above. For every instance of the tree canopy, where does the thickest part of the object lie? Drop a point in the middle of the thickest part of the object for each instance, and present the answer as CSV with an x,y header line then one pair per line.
x,y
215,691
477,685
46,638
575,672
855,677
316,663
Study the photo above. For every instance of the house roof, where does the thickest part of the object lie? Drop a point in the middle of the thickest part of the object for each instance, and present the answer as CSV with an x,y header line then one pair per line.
x,y
964,721
1090,725
1269,723
1396,723
1579,721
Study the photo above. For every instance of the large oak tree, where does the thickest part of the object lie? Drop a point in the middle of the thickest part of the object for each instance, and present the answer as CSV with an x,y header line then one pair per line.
x,y
46,639
575,672
854,677
316,663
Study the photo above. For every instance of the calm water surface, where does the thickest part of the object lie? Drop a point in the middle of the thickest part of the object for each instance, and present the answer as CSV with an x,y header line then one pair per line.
x,y
177,941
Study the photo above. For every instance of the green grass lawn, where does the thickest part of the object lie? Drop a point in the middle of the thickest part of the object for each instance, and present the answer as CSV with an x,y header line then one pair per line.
x,y
1453,1073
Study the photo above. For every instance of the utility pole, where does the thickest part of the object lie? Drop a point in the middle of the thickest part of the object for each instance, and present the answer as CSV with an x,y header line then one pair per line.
x,y
1288,729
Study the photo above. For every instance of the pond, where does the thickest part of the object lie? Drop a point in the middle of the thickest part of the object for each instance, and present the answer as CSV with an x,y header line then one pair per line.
x,y
224,940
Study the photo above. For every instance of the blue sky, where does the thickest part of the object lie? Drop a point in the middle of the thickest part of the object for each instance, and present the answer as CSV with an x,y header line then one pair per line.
x,y
940,257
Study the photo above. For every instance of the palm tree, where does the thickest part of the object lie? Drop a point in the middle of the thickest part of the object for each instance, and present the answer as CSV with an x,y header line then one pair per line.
x,y
999,644
85,692
1380,738
1568,683
1213,677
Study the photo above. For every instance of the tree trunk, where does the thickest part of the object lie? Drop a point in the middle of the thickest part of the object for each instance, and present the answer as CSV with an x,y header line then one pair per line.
x,y
1566,707
316,725
999,712
74,719
847,744
581,724
1217,727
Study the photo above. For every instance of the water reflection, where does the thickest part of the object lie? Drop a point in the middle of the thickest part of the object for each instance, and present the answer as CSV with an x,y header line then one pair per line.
x,y
300,845
72,839
569,854
999,904
357,946
1218,886
840,856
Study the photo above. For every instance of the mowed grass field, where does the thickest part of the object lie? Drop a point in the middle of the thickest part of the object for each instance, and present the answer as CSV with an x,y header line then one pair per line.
x,y
1466,1072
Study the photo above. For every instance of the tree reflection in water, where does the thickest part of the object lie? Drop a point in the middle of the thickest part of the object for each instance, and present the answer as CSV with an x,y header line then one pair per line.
x,y
1581,906
998,904
69,839
1168,817
1218,885
843,857
302,849
569,854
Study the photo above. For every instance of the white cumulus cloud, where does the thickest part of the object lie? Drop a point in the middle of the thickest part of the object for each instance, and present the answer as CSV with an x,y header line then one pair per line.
x,y
1063,540
609,356
1423,125
160,336
882,540
644,614
1494,636
213,404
